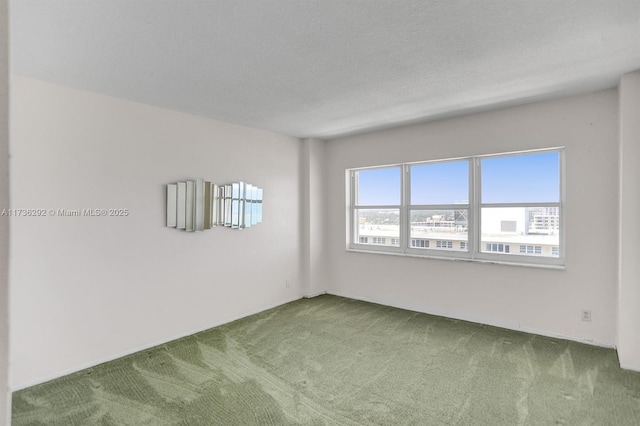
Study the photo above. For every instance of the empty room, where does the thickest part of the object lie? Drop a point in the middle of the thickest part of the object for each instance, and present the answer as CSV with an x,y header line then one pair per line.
x,y
306,212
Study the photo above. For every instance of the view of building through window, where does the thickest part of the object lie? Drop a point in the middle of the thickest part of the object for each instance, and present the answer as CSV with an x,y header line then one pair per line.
x,y
518,210
538,226
520,203
441,226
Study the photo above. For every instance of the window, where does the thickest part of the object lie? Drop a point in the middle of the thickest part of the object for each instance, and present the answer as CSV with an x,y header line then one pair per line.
x,y
438,202
520,201
444,244
377,199
420,243
498,248
504,207
531,249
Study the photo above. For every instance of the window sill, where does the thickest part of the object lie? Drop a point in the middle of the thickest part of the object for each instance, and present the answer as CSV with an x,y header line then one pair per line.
x,y
459,259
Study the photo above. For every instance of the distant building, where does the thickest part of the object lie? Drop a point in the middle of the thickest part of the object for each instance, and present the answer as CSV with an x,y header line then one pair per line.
x,y
532,231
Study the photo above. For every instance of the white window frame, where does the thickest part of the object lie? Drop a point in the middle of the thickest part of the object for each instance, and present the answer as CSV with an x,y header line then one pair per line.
x,y
474,207
433,250
354,208
515,257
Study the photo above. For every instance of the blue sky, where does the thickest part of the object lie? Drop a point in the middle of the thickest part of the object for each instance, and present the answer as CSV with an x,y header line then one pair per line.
x,y
529,178
440,183
379,186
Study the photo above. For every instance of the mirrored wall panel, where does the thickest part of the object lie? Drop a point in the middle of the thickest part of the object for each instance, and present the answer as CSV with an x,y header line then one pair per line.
x,y
196,205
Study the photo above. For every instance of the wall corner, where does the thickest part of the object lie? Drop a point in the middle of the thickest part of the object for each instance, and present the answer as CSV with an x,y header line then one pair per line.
x,y
628,336
314,217
5,395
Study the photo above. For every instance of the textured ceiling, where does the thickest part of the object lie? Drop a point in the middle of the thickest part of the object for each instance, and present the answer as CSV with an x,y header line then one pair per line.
x,y
327,68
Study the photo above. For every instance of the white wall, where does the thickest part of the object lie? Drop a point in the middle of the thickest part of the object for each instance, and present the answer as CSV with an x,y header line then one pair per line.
x,y
4,221
629,307
533,299
87,289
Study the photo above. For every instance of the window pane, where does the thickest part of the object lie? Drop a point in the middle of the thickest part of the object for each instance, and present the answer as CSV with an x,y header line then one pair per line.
x,y
378,187
440,183
439,229
529,178
378,227
532,231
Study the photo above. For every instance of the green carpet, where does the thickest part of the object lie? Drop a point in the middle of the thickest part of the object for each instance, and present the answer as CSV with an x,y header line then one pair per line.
x,y
336,361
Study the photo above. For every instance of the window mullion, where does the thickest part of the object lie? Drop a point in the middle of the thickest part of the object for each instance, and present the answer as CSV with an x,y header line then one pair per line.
x,y
405,218
474,208
562,249
352,210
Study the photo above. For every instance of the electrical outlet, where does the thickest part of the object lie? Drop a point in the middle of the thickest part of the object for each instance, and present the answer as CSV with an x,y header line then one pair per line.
x,y
586,315
287,284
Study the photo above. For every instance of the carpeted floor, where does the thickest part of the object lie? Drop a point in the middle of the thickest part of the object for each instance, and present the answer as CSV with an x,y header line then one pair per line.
x,y
336,361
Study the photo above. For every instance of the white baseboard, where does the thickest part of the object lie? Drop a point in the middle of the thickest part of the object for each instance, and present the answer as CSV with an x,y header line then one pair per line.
x,y
145,347
630,367
455,315
311,296
510,325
